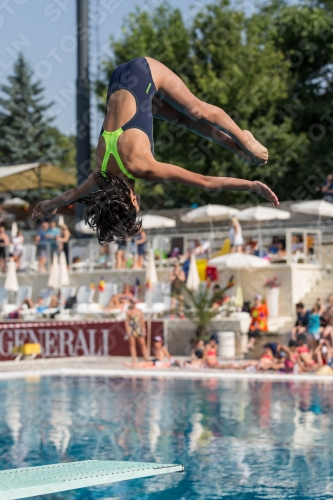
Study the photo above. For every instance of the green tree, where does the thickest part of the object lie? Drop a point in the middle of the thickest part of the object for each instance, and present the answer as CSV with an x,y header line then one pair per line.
x,y
23,122
304,34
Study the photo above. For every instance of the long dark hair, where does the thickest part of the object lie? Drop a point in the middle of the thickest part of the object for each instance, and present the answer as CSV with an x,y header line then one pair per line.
x,y
110,211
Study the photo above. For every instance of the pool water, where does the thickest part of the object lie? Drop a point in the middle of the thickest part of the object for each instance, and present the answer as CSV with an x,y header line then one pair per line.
x,y
237,439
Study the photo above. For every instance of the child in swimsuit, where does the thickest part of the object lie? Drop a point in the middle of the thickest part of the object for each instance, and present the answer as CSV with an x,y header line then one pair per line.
x,y
136,331
139,90
306,357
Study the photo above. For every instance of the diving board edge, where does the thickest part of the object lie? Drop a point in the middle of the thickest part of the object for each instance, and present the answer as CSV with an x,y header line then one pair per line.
x,y
68,485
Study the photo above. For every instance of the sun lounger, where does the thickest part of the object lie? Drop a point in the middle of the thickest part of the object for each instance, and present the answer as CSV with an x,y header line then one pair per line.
x,y
50,479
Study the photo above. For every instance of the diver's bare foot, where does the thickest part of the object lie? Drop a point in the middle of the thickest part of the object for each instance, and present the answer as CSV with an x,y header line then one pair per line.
x,y
253,148
245,157
265,192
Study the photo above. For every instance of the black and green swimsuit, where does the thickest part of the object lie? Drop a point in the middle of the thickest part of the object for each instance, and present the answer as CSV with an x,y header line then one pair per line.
x,y
134,76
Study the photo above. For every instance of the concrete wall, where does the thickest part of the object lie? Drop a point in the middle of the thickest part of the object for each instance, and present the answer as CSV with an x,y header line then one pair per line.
x,y
296,282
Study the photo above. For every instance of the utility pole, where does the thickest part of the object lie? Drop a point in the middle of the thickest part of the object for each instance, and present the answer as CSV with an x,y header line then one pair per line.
x,y
83,90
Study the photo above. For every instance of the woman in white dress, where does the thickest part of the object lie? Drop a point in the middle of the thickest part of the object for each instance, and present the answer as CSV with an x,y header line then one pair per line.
x,y
235,235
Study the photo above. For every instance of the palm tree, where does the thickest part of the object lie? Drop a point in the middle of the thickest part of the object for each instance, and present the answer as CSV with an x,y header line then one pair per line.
x,y
198,305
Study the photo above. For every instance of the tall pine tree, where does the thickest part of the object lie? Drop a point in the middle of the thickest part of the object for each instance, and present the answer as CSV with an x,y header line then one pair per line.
x,y
23,121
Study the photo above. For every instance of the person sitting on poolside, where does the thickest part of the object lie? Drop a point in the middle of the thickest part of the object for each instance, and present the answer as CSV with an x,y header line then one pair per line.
x,y
197,354
210,354
119,300
306,356
291,358
160,353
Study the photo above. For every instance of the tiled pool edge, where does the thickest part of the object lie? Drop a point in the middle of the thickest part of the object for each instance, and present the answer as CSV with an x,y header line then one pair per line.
x,y
172,374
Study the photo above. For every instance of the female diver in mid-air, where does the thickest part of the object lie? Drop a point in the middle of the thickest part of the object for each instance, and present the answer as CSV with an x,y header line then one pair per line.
x,y
138,91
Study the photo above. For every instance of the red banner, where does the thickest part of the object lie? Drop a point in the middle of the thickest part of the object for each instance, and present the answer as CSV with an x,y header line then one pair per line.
x,y
70,338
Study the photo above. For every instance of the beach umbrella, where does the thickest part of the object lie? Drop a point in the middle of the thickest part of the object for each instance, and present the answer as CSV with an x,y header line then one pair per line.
x,y
320,208
156,222
11,282
151,280
209,213
193,279
238,261
14,230
54,277
15,202
63,270
260,214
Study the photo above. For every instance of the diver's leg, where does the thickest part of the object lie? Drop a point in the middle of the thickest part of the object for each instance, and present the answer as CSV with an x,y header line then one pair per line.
x,y
175,92
164,111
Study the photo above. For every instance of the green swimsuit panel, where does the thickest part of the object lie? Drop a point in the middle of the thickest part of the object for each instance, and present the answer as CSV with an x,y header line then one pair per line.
x,y
111,139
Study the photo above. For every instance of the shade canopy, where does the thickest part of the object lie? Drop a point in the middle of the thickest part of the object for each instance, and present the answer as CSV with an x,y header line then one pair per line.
x,y
15,202
321,208
260,213
209,213
239,261
156,222
33,176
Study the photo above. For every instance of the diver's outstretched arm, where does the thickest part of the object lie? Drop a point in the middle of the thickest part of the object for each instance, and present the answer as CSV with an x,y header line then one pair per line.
x,y
47,208
154,171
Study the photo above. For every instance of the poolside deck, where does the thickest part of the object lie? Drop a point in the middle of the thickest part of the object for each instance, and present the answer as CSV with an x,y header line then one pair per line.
x,y
113,367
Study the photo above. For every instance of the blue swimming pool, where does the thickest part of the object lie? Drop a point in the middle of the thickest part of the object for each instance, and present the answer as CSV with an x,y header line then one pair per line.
x,y
237,439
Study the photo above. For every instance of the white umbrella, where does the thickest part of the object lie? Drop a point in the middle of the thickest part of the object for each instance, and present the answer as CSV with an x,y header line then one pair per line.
x,y
239,261
151,280
63,270
54,278
193,279
209,213
260,214
14,229
15,202
156,221
321,208
11,283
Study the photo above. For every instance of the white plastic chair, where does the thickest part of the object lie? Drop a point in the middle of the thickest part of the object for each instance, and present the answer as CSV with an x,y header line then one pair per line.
x,y
84,295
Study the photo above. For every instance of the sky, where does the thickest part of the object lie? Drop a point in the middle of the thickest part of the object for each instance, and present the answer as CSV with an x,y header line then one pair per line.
x,y
44,30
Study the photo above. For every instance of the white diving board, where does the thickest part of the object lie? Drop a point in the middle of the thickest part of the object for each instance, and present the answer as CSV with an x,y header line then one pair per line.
x,y
48,479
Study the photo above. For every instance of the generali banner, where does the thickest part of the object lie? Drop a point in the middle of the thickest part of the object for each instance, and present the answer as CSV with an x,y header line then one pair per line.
x,y
67,339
